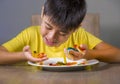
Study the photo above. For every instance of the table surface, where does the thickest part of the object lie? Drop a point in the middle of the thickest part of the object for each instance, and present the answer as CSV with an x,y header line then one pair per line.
x,y
103,73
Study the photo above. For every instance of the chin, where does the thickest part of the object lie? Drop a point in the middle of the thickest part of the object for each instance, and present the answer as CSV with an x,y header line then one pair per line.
x,y
55,45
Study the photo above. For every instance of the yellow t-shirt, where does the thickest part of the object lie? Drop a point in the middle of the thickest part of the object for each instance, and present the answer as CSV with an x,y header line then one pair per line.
x,y
31,36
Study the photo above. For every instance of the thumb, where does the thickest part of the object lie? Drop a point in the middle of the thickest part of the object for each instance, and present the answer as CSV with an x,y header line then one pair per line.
x,y
83,47
26,49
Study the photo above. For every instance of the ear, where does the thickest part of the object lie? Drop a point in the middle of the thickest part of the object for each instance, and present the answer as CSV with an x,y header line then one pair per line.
x,y
80,25
42,12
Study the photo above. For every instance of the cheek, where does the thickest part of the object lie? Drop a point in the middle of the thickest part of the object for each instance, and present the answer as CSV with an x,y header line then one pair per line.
x,y
43,31
63,39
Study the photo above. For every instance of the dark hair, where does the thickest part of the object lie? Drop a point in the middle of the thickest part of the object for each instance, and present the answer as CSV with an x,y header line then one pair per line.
x,y
66,14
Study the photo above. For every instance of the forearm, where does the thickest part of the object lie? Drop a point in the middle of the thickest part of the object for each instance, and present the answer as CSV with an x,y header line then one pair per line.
x,y
107,55
10,57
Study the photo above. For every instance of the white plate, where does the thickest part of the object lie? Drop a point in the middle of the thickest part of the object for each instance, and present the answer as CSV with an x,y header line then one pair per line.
x,y
46,65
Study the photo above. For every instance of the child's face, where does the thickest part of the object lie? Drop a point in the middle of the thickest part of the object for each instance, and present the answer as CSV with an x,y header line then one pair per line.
x,y
53,35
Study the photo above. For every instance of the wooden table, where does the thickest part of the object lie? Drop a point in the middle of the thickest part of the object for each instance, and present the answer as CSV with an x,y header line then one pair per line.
x,y
102,74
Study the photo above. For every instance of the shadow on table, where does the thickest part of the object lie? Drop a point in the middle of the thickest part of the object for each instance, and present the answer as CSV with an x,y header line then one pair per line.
x,y
104,66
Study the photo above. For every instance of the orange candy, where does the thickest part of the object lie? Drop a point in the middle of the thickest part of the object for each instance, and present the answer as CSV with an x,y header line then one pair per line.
x,y
78,47
40,55
71,63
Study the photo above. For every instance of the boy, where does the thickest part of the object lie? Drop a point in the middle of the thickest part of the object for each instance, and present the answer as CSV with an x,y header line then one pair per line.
x,y
60,28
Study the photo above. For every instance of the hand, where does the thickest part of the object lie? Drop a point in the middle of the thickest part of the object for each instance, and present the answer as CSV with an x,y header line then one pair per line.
x,y
29,57
79,55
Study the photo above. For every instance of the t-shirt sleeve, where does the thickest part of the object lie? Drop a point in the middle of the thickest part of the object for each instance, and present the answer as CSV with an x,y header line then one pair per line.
x,y
87,38
18,42
92,40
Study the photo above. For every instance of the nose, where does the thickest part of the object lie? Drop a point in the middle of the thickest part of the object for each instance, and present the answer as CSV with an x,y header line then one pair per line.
x,y
52,35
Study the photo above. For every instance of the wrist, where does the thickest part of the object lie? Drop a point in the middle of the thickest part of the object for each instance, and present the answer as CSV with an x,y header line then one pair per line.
x,y
24,58
90,54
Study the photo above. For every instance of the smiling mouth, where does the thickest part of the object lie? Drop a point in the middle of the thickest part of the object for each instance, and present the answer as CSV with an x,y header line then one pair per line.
x,y
50,43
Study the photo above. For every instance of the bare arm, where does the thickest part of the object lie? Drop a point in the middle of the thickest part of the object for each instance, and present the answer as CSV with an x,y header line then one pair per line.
x,y
7,57
10,57
106,53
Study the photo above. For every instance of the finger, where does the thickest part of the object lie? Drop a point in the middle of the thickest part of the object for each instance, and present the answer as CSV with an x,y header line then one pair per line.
x,y
33,59
39,59
83,47
75,54
42,59
26,49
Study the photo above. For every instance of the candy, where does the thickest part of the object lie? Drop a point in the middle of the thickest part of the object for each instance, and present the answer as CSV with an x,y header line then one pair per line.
x,y
70,48
38,55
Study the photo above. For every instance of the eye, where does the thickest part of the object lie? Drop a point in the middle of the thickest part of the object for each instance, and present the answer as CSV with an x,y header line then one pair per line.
x,y
62,34
48,28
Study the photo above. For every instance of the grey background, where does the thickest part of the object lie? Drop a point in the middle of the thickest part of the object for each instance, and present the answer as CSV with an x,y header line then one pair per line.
x,y
15,15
